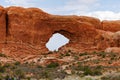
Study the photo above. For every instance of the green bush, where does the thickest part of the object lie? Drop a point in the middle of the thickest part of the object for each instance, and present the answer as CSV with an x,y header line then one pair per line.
x,y
2,55
20,73
17,63
102,54
2,69
7,65
89,70
67,54
92,72
83,54
52,65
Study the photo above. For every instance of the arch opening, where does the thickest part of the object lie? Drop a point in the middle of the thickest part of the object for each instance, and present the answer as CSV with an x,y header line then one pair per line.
x,y
56,41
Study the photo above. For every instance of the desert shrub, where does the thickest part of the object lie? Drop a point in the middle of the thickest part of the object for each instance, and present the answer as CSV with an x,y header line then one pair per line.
x,y
89,70
102,54
2,55
7,65
19,73
45,74
110,62
92,72
2,69
17,63
94,52
79,67
113,76
52,74
113,56
67,54
96,61
76,57
1,77
28,78
83,54
39,66
53,65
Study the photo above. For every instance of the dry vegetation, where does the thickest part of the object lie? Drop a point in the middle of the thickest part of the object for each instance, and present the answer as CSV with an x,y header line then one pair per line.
x,y
60,64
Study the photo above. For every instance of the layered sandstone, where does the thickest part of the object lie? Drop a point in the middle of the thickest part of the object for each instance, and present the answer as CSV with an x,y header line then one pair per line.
x,y
35,27
113,26
2,25
27,30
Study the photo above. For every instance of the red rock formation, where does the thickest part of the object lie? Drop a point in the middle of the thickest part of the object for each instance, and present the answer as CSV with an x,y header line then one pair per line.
x,y
112,26
27,30
2,25
35,27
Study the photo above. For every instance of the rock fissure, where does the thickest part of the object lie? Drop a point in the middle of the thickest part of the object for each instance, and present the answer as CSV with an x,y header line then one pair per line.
x,y
7,20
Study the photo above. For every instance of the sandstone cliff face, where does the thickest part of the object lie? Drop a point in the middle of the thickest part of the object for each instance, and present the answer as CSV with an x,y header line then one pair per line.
x,y
27,30
35,27
25,26
112,26
2,25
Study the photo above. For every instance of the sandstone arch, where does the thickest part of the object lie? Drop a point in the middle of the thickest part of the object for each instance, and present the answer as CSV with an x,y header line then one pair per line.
x,y
33,27
65,33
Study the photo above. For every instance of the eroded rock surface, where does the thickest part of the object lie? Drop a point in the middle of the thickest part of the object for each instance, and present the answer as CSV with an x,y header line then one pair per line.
x,y
2,25
35,27
27,30
112,26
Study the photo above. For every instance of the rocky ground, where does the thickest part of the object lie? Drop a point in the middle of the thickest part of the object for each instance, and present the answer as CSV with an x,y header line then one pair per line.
x,y
62,64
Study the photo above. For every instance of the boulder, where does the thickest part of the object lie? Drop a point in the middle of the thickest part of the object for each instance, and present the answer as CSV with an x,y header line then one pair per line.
x,y
113,49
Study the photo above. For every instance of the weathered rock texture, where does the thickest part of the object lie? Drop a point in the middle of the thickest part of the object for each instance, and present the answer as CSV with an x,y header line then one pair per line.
x,y
2,25
113,26
27,30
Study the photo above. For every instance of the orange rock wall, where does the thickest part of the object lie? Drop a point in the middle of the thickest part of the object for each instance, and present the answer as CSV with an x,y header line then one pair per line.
x,y
32,26
113,26
2,25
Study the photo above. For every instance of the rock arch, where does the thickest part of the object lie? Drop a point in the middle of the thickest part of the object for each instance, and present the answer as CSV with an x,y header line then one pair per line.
x,y
65,33
33,27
